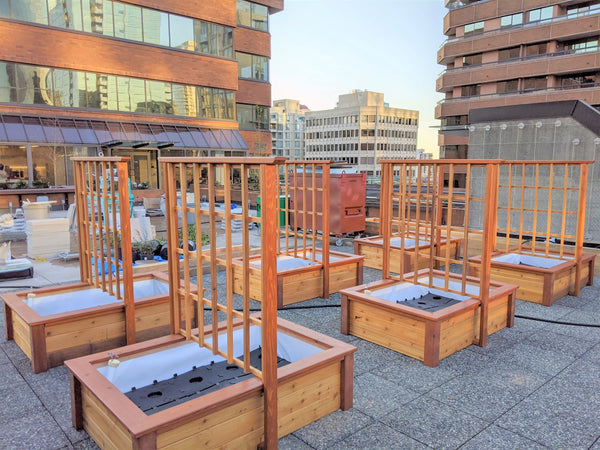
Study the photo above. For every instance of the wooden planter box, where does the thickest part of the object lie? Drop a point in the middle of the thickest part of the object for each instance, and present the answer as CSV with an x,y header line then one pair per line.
x,y
424,335
309,388
542,285
301,279
48,339
372,249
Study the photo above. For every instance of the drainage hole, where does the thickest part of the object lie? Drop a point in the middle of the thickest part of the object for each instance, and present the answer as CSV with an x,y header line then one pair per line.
x,y
436,297
196,380
421,303
155,394
232,367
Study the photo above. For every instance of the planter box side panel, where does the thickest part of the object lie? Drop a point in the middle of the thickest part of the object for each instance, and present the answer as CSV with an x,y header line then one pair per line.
x,y
343,276
586,277
389,329
152,320
561,285
531,283
255,281
373,255
457,333
308,398
498,311
21,333
101,424
302,285
83,334
239,425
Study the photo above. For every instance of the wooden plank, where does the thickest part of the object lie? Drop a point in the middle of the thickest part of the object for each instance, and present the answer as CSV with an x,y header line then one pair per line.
x,y
101,424
22,334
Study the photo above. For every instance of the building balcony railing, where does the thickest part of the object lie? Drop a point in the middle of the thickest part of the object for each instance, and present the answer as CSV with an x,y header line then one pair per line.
x,y
470,98
512,28
521,59
457,4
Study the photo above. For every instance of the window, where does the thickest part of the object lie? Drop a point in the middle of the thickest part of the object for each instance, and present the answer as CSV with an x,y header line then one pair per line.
x,y
252,15
531,84
472,60
253,67
536,49
471,90
578,81
586,9
588,45
476,27
507,86
253,117
540,15
512,20
126,21
509,53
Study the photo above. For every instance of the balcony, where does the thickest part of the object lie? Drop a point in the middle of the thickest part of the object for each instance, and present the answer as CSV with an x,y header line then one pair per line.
x,y
558,63
559,28
590,93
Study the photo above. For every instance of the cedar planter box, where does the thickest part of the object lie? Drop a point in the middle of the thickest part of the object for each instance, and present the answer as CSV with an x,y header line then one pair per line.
x,y
372,249
540,280
371,313
318,381
77,319
300,279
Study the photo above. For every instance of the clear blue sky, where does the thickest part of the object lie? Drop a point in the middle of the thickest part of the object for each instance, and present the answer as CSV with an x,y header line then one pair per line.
x,y
324,48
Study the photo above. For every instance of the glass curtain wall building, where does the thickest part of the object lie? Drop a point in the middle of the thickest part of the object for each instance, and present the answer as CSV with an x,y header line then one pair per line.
x,y
79,77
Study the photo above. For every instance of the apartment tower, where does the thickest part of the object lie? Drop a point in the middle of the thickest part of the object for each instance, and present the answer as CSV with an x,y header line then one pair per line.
x,y
514,52
287,128
137,78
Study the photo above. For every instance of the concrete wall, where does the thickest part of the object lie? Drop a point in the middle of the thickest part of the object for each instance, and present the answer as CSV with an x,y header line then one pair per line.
x,y
561,138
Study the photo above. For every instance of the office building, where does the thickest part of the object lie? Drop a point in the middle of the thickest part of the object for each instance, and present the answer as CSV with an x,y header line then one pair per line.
x,y
287,128
360,130
511,52
137,78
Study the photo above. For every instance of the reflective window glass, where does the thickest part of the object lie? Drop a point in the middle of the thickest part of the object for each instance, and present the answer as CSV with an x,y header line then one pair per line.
x,y
182,32
137,95
30,10
225,41
65,14
158,97
245,116
156,27
105,20
92,90
133,23
244,65
244,14
107,85
119,19
4,9
261,68
63,87
201,36
184,100
8,82
260,17
205,102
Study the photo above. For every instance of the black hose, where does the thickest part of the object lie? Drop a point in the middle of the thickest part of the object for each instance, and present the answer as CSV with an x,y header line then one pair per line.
x,y
558,322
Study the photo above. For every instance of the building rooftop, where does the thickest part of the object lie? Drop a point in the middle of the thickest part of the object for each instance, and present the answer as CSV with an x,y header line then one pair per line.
x,y
533,386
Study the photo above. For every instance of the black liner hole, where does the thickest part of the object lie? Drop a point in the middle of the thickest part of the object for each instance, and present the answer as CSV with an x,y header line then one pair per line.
x,y
155,394
436,297
196,380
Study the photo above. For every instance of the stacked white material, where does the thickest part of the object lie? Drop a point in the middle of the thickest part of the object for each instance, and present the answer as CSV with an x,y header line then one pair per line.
x,y
47,237
13,229
36,210
236,224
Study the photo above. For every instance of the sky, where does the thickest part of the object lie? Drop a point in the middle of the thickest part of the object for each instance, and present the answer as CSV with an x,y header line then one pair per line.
x,y
323,48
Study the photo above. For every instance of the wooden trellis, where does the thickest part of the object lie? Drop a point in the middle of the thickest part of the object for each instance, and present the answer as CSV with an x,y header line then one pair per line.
x,y
419,186
306,184
542,206
103,213
189,175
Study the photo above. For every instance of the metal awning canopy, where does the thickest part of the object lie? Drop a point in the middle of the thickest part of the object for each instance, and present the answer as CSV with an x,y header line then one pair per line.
x,y
51,130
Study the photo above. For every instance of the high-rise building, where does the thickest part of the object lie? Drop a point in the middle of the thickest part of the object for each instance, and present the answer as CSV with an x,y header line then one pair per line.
x,y
287,128
360,130
514,52
137,78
